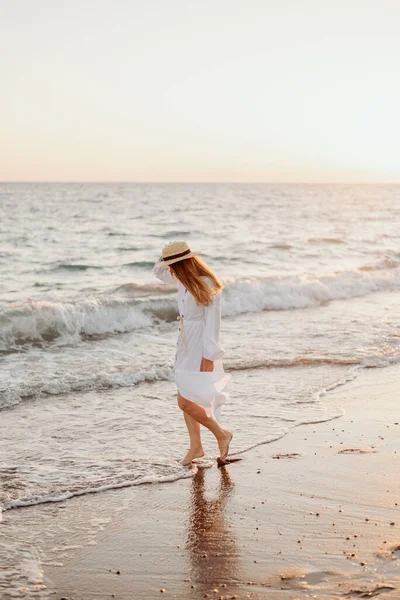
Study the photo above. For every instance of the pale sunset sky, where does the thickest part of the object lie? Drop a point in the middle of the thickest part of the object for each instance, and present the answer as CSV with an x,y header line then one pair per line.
x,y
185,90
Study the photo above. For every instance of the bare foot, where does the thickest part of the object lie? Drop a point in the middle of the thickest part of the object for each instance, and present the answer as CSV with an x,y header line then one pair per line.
x,y
223,444
193,453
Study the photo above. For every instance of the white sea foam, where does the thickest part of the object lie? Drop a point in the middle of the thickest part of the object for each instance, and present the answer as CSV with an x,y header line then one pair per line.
x,y
39,321
255,294
59,379
47,383
171,473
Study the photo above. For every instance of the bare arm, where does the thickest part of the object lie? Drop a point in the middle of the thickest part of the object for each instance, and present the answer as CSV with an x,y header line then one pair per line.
x,y
162,272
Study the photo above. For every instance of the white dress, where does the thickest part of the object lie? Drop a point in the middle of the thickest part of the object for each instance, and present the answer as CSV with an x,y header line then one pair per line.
x,y
198,337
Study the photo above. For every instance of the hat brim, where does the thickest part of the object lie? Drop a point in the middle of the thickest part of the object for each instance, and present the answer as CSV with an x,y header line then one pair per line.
x,y
174,260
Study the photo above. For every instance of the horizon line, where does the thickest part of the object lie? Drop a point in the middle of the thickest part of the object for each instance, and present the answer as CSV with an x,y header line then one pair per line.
x,y
204,182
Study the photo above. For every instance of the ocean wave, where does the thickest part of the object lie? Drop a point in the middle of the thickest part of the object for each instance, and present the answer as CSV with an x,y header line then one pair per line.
x,y
66,382
388,262
176,234
326,240
285,292
256,294
36,322
281,245
141,264
72,267
133,289
133,306
131,473
128,248
297,361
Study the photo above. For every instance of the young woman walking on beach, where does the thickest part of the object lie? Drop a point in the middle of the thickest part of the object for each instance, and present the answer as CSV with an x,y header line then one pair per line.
x,y
198,372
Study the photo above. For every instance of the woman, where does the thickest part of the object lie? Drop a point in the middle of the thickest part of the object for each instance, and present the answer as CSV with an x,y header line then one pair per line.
x,y
198,372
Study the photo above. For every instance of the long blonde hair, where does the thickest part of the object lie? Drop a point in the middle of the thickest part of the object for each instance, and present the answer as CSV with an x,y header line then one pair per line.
x,y
189,272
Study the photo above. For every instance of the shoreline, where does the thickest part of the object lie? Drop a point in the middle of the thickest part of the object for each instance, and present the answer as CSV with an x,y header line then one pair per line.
x,y
315,512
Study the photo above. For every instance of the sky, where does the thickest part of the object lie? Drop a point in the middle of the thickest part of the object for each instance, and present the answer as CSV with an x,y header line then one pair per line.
x,y
217,90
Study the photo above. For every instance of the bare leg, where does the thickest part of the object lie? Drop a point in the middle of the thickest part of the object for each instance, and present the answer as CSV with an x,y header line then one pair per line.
x,y
199,414
196,448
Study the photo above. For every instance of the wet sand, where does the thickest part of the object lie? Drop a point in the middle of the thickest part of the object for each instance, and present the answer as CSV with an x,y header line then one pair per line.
x,y
315,514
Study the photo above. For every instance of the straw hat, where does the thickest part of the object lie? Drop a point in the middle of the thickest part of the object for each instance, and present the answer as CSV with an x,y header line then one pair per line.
x,y
175,251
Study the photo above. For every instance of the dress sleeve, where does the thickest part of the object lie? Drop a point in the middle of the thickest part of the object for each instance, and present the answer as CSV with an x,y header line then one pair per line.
x,y
211,348
161,271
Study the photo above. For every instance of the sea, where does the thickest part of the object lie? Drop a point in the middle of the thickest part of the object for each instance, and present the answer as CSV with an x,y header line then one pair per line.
x,y
311,296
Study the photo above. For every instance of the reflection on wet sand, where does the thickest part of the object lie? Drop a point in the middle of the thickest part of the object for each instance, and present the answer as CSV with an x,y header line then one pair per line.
x,y
211,544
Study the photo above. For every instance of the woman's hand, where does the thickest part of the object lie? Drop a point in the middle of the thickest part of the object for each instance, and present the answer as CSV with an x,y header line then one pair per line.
x,y
206,365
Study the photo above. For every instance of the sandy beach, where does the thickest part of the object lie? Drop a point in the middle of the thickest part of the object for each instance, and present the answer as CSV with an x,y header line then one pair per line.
x,y
312,515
